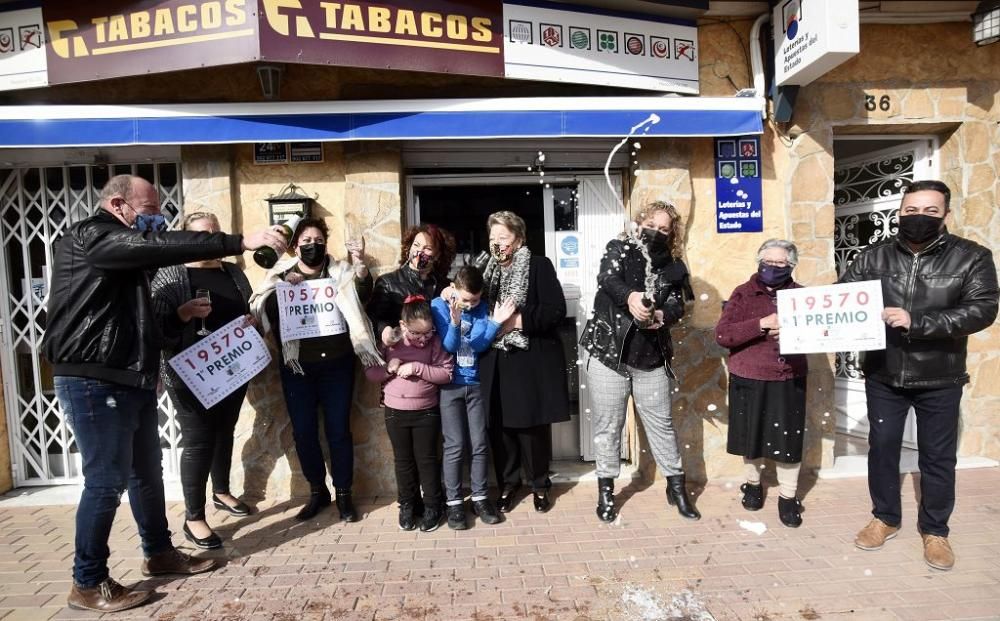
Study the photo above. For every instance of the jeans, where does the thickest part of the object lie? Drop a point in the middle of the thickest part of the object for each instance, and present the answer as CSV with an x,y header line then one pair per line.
x,y
117,432
207,436
331,384
937,442
463,424
415,440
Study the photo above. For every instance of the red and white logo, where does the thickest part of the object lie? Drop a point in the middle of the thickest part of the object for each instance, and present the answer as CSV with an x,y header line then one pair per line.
x,y
551,35
659,47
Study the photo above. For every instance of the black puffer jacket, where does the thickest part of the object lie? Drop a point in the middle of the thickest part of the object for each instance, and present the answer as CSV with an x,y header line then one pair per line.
x,y
386,304
100,316
623,271
950,291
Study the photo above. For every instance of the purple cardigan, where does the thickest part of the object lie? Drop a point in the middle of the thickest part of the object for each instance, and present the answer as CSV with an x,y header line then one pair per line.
x,y
753,355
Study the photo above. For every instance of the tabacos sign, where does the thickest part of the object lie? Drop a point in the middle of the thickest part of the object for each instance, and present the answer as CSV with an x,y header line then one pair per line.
x,y
812,37
431,35
93,40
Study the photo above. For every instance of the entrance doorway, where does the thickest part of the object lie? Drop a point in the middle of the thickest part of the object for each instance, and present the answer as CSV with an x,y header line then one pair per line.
x,y
869,175
569,219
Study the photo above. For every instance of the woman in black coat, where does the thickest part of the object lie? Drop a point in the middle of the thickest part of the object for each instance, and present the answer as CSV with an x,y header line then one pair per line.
x,y
524,373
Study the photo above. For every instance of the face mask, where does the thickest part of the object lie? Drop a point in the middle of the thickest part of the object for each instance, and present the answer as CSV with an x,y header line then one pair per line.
x,y
500,253
312,255
654,238
774,276
148,223
919,228
423,260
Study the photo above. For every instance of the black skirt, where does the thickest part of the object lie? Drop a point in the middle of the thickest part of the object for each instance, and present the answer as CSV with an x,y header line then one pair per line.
x,y
767,418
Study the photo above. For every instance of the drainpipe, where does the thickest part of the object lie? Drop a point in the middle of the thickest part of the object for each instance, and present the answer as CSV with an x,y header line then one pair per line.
x,y
756,62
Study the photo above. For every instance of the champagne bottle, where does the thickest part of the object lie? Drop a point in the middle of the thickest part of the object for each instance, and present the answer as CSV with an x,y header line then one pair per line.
x,y
265,256
647,303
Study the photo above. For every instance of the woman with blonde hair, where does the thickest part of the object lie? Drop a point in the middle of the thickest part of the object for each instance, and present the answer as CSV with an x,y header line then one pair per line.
x,y
207,434
642,287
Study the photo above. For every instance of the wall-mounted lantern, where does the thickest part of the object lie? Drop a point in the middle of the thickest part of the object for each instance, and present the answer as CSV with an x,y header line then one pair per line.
x,y
288,203
986,23
270,80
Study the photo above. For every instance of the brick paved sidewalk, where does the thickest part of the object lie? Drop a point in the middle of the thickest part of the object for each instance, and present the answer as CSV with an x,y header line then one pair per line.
x,y
650,565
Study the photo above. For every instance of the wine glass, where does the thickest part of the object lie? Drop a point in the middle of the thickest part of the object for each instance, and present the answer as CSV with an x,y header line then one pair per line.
x,y
355,240
203,293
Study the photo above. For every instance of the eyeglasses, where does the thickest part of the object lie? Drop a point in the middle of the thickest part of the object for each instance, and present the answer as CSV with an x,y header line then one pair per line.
x,y
776,263
419,335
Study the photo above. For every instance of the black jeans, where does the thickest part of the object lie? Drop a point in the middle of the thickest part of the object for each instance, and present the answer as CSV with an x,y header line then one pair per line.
x,y
207,438
415,437
517,449
937,442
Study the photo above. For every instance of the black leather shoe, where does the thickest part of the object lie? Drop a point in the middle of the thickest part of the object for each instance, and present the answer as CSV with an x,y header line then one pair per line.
x,y
319,498
677,495
542,502
486,512
606,510
345,504
508,498
456,517
788,511
753,496
240,510
205,543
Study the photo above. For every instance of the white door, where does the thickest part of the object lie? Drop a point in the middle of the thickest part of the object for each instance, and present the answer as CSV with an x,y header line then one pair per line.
x,y
37,204
867,192
601,217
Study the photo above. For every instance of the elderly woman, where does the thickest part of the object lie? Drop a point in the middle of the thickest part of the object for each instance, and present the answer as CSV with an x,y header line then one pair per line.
x,y
319,372
425,258
767,391
207,434
642,288
523,374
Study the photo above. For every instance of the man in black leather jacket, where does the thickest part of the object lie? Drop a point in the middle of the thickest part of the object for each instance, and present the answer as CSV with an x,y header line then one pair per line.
x,y
104,346
938,289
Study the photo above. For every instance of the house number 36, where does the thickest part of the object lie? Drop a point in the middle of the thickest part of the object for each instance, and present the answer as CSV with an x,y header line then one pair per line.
x,y
884,103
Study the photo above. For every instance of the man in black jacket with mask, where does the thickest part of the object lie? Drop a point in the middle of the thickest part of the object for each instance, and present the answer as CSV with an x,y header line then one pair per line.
x,y
938,289
104,345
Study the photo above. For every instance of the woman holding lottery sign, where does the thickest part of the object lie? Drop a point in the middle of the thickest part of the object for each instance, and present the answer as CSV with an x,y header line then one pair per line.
x,y
191,301
318,371
767,391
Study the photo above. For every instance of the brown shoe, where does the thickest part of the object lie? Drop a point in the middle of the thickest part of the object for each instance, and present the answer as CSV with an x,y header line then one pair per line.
x,y
174,561
108,596
874,536
937,552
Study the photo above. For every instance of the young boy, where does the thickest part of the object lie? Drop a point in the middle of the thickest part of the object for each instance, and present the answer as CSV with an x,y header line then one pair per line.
x,y
466,330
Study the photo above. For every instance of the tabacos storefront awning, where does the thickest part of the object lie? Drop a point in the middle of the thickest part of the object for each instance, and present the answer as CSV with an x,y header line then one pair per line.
x,y
546,117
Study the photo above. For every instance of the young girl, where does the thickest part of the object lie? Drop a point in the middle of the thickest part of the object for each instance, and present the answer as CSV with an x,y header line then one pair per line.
x,y
417,365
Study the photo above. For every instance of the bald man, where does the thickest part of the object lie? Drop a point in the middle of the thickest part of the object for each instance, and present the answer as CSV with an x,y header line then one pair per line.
x,y
104,346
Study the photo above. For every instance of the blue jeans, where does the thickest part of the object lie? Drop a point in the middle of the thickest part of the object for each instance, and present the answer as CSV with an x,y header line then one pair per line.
x,y
463,423
117,432
329,383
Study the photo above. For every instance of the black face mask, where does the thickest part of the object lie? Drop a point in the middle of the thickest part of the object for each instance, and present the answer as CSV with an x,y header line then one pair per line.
x,y
658,246
423,260
312,255
920,228
774,276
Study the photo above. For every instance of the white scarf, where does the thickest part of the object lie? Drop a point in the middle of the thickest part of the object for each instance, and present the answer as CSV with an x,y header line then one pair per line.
x,y
359,327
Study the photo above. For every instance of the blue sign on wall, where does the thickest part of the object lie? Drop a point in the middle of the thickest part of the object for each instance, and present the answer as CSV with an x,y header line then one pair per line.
x,y
738,204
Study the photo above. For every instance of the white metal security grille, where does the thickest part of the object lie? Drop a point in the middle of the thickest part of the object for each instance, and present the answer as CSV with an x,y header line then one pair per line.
x,y
37,204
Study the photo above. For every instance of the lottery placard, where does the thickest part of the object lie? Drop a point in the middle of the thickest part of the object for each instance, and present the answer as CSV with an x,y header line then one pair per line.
x,y
832,318
309,309
214,367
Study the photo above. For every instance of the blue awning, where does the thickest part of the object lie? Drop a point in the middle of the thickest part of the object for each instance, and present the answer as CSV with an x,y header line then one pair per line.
x,y
545,117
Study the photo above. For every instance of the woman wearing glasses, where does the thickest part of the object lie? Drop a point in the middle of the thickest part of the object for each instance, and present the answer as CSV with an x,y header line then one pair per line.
x,y
319,372
767,391
190,301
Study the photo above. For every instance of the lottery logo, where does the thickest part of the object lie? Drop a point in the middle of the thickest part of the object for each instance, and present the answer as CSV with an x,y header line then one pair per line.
x,y
520,32
551,35
659,48
579,38
6,40
634,44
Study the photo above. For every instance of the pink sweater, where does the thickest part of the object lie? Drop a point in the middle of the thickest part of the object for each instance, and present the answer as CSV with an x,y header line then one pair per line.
x,y
432,366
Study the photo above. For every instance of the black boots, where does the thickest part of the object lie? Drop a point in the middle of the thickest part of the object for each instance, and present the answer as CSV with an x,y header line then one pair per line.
x,y
606,510
788,511
753,496
346,506
677,495
319,498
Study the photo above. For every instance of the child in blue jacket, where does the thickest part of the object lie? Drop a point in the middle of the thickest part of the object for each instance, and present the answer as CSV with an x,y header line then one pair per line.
x,y
466,330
